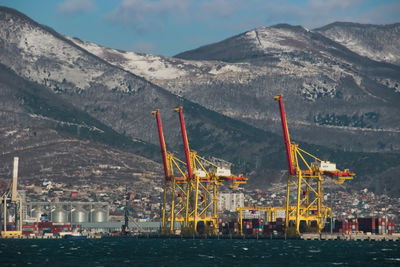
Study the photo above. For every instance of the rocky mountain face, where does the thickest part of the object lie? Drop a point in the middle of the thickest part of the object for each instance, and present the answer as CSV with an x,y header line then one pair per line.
x,y
338,103
118,99
341,95
378,42
57,141
326,85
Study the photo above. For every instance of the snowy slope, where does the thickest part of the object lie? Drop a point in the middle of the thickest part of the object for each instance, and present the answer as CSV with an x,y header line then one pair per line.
x,y
329,85
35,52
119,99
378,42
336,100
166,70
154,67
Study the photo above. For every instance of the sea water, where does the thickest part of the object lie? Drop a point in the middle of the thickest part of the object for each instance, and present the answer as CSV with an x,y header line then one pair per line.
x,y
196,252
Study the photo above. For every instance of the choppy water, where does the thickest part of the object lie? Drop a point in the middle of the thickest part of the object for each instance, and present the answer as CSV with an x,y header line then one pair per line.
x,y
200,252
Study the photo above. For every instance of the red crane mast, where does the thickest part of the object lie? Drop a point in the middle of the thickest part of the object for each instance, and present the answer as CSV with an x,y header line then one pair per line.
x,y
162,143
185,142
286,135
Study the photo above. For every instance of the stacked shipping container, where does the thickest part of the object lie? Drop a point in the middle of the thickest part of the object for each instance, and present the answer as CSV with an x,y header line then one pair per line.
x,y
42,228
365,225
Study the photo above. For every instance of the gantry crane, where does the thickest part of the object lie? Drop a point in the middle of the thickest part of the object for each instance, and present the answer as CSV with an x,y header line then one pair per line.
x,y
307,209
175,187
11,200
197,190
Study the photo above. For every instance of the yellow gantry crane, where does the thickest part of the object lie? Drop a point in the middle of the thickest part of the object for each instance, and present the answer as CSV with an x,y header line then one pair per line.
x,y
305,210
192,197
175,187
12,201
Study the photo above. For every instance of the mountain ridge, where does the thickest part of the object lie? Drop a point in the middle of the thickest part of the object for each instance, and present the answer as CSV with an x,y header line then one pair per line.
x,y
55,140
378,42
229,107
181,85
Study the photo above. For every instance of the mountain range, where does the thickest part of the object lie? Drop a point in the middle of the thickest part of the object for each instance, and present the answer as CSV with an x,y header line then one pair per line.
x,y
88,106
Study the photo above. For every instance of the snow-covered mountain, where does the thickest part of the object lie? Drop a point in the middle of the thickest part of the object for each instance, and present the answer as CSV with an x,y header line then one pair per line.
x,y
117,99
154,67
340,93
339,104
378,42
58,141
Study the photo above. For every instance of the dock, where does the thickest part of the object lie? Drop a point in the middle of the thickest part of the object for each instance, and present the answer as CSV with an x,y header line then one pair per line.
x,y
350,237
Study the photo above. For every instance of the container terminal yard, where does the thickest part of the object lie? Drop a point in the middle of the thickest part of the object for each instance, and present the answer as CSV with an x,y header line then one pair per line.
x,y
193,204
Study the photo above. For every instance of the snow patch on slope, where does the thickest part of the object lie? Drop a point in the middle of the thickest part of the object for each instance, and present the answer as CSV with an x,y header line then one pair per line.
x,y
271,39
153,67
38,55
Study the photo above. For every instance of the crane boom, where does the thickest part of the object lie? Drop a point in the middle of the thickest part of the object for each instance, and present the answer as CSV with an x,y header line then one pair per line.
x,y
285,134
162,143
185,142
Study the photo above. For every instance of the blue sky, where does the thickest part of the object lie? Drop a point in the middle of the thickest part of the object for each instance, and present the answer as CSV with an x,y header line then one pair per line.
x,y
168,27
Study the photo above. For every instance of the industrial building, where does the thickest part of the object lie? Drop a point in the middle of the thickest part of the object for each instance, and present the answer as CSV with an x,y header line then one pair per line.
x,y
230,201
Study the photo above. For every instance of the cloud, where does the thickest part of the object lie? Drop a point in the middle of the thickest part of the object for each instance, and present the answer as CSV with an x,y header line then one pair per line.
x,y
317,13
144,47
329,4
145,15
70,7
220,8
389,13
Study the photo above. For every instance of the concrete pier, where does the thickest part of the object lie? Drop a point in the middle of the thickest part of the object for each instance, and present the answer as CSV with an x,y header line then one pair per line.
x,y
350,237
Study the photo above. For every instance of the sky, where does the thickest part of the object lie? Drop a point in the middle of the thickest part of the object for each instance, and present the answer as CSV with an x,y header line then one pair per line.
x,y
168,27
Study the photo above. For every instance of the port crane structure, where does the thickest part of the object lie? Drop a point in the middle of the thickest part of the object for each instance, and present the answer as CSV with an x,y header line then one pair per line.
x,y
305,209
12,205
191,198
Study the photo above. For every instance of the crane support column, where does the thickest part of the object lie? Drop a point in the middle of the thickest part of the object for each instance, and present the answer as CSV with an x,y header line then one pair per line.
x,y
173,206
298,202
4,214
164,207
287,202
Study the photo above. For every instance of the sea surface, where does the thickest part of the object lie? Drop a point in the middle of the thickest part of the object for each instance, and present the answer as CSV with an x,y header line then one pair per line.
x,y
197,252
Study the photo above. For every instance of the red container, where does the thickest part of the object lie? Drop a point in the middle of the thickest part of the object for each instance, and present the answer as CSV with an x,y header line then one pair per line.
x,y
56,230
373,225
345,226
27,233
338,225
44,224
